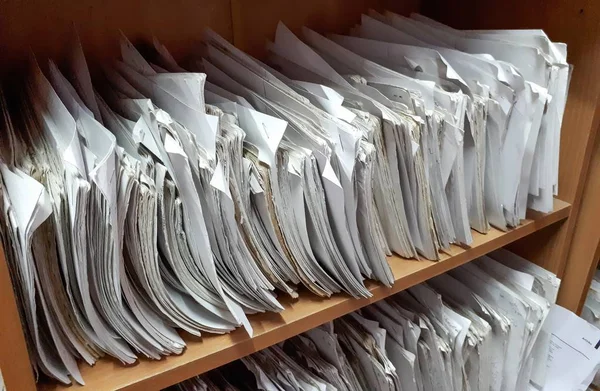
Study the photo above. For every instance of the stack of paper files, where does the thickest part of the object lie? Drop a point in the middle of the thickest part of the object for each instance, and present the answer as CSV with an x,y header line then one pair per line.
x,y
570,364
515,83
574,358
479,327
166,197
591,308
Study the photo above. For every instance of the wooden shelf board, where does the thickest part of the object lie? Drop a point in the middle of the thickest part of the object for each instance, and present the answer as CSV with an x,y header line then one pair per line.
x,y
212,351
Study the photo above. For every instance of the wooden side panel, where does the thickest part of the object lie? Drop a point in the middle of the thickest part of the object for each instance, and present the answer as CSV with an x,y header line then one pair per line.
x,y
583,255
576,23
255,20
45,26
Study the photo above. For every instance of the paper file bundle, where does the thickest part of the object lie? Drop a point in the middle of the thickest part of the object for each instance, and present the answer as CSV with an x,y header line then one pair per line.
x,y
187,196
488,325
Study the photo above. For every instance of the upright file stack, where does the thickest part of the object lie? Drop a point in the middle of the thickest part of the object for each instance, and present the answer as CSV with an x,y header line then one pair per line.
x,y
164,197
591,308
479,327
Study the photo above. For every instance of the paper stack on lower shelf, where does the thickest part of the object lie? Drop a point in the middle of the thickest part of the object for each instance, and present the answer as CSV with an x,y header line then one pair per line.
x,y
488,325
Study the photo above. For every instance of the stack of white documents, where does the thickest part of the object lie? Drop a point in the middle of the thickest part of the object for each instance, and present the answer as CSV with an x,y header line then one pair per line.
x,y
574,359
591,308
170,198
479,327
515,83
484,127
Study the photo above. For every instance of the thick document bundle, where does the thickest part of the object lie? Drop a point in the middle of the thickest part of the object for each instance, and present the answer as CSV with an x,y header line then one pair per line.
x,y
487,325
516,84
591,308
188,196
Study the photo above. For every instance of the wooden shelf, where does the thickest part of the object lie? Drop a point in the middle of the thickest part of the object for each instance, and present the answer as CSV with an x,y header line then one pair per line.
x,y
212,351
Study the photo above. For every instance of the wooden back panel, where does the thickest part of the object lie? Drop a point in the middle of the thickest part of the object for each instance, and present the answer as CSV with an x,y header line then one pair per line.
x,y
255,21
46,27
